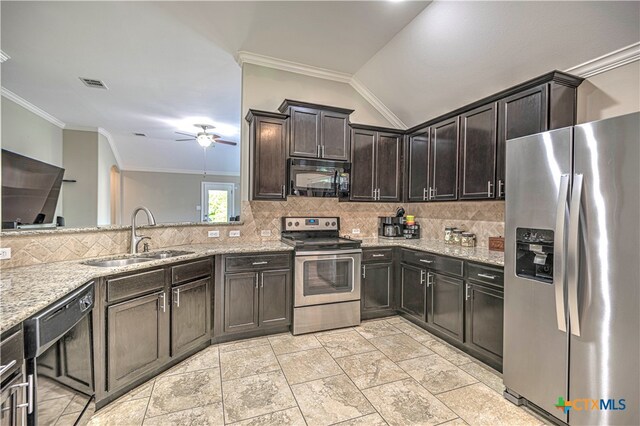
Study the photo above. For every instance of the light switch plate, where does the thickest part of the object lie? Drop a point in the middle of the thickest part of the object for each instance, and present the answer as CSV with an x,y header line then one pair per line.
x,y
234,233
355,231
213,234
5,253
265,233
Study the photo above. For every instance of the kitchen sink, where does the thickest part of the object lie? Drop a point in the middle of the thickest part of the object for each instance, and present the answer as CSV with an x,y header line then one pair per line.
x,y
110,263
138,258
163,254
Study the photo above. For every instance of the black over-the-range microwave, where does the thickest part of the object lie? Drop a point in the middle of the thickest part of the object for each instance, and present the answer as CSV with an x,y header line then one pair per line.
x,y
318,178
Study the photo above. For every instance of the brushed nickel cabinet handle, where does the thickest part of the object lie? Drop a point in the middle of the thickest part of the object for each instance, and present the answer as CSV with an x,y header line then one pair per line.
x,y
262,280
490,189
176,292
466,292
426,261
377,255
6,367
491,277
260,263
163,306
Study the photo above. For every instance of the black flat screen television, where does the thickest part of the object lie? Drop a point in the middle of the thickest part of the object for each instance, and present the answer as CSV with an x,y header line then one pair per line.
x,y
30,189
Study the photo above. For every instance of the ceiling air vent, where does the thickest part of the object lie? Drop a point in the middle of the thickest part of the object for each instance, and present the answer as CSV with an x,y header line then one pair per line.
x,y
92,82
140,134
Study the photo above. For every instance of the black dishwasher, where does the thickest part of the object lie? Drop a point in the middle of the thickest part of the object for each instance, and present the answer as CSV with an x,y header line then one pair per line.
x,y
58,356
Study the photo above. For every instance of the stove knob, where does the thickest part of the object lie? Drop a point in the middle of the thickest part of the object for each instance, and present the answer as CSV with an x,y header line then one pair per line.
x,y
297,223
333,224
289,223
326,224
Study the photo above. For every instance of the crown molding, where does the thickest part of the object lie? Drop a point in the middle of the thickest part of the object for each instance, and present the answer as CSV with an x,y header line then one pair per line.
x,y
244,57
179,171
31,107
376,103
607,62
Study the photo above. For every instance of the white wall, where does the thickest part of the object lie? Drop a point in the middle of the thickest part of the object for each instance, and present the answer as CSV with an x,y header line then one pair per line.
x,y
265,88
612,93
171,197
80,160
106,160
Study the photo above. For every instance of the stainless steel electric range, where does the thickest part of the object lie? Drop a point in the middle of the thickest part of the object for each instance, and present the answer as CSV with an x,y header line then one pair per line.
x,y
326,274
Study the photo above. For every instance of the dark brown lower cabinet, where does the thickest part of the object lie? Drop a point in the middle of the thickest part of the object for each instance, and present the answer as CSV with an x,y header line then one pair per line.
x,y
484,320
240,302
137,338
190,315
377,288
413,295
446,311
275,298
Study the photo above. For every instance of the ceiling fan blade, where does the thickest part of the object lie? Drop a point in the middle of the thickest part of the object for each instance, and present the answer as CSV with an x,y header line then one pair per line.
x,y
226,142
186,134
181,140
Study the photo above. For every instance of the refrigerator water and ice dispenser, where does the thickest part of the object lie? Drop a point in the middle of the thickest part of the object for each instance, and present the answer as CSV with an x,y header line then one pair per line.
x,y
534,254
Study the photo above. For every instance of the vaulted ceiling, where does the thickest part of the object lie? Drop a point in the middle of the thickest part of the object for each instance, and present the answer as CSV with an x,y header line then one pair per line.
x,y
171,64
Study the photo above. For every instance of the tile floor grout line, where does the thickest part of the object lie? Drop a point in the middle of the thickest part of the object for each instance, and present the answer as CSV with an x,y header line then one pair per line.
x,y
289,385
224,412
153,386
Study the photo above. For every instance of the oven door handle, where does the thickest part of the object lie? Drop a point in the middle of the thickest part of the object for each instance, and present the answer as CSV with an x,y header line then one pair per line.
x,y
301,255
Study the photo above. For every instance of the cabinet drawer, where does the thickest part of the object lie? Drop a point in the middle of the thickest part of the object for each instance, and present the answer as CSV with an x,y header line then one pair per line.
x,y
256,262
190,271
485,274
434,262
377,255
12,349
134,285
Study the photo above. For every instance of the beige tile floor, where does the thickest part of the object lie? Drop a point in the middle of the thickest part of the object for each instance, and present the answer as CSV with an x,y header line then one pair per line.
x,y
384,371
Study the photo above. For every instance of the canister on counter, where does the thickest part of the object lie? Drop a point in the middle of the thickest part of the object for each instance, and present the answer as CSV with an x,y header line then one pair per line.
x,y
457,236
467,239
411,220
448,235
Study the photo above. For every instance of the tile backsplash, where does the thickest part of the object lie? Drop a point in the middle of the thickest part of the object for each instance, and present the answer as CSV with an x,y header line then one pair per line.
x,y
484,218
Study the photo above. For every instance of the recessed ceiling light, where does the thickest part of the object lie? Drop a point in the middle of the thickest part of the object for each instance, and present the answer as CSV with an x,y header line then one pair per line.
x,y
93,83
4,57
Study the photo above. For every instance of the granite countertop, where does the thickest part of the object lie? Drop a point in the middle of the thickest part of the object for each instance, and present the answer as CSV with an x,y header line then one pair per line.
x,y
27,290
476,254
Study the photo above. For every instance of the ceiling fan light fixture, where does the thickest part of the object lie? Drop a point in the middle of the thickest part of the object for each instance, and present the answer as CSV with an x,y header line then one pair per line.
x,y
204,140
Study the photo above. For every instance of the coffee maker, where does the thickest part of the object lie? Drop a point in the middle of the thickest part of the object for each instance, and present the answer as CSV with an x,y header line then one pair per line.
x,y
390,227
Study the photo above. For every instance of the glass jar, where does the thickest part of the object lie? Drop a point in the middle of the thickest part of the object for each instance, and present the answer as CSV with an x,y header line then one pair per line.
x,y
467,239
457,236
448,235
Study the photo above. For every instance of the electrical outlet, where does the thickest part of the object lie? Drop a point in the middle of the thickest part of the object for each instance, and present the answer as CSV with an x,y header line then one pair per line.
x,y
213,234
355,231
265,233
198,208
234,233
5,253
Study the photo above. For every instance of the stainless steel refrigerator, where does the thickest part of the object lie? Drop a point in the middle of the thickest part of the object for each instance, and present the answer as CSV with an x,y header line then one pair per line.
x,y
572,272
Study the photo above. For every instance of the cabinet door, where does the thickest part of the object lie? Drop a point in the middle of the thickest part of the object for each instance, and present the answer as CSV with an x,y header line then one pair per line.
x,y
522,114
446,311
335,137
377,291
413,298
478,130
362,164
270,161
240,302
443,163
418,166
305,132
388,174
143,319
275,298
485,318
190,315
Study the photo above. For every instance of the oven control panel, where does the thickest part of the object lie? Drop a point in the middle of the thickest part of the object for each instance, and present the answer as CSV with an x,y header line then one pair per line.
x,y
310,223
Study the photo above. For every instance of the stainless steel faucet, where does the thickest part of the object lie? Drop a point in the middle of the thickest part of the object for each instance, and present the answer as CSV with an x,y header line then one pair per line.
x,y
135,239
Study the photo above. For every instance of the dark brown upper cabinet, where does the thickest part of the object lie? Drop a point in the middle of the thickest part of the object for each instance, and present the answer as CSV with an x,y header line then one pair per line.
x,y
417,165
443,161
318,131
478,152
268,141
376,159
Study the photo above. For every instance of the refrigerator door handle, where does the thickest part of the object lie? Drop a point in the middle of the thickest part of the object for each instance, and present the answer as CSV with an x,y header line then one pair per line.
x,y
559,255
572,257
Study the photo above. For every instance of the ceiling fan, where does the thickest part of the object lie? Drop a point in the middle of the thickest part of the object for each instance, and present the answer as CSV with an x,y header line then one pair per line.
x,y
205,138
